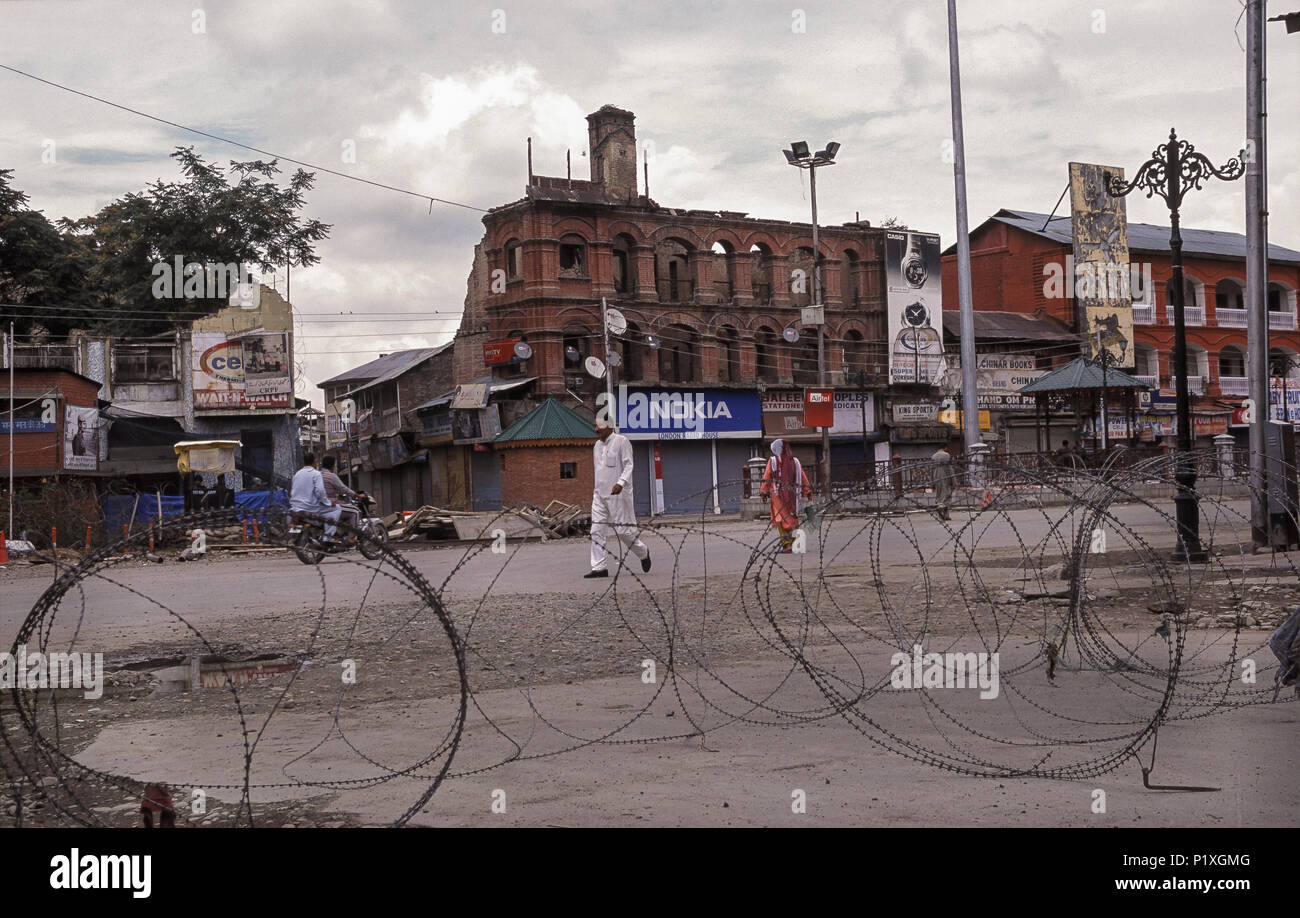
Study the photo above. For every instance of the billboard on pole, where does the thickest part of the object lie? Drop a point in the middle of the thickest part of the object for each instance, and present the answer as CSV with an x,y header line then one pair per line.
x,y
914,302
1101,285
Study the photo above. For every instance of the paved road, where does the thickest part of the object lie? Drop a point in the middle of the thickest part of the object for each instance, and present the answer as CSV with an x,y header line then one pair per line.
x,y
127,606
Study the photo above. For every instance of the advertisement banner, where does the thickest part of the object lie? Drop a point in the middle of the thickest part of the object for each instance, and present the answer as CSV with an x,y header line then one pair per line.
x,y
689,414
818,407
998,380
81,438
249,370
783,414
914,301
501,352
475,425
1102,289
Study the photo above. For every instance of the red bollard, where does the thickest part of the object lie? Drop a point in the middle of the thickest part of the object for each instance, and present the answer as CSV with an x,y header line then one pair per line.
x,y
245,532
126,531
256,535
4,550
87,539
151,538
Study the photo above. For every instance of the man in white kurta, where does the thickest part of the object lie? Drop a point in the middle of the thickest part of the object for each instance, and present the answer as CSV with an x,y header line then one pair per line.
x,y
612,509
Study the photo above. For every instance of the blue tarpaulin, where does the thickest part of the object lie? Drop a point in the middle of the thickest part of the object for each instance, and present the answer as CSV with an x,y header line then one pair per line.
x,y
118,507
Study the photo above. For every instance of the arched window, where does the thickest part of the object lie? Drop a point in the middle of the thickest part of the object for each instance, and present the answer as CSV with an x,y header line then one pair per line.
x,y
722,271
765,355
1228,295
672,271
577,348
855,355
1232,361
624,265
514,260
573,256
728,350
760,274
679,355
849,292
631,347
801,277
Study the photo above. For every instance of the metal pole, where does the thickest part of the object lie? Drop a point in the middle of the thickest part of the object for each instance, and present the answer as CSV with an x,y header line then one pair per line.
x,y
969,400
1105,414
609,369
1186,508
10,530
1257,368
821,328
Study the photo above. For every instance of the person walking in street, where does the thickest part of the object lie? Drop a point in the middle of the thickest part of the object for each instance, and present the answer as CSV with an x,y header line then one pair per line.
x,y
612,509
942,479
308,495
784,482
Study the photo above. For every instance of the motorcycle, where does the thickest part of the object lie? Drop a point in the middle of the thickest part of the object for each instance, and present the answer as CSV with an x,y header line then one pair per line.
x,y
310,545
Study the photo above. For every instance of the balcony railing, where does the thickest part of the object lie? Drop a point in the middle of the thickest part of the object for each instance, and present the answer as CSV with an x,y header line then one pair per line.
x,y
1195,385
1192,315
1234,385
1144,314
1282,320
1152,381
682,291
48,357
1230,318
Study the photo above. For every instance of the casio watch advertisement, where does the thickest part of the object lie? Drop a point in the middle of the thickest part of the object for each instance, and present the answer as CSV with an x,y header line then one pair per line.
x,y
914,296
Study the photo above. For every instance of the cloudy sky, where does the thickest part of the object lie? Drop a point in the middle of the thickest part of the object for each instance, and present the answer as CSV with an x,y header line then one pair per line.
x,y
439,98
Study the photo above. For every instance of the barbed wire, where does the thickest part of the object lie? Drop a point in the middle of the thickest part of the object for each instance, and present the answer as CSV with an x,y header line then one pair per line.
x,y
1058,581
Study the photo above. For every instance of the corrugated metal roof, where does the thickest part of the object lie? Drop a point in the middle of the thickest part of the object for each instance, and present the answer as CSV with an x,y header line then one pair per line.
x,y
494,386
384,367
1081,373
992,325
1147,237
548,421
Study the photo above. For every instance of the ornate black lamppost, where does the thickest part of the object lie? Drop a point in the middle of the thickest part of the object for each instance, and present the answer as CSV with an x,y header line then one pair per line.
x,y
1174,169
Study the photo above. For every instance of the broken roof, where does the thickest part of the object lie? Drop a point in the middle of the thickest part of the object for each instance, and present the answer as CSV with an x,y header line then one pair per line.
x,y
494,386
1142,237
1011,326
385,368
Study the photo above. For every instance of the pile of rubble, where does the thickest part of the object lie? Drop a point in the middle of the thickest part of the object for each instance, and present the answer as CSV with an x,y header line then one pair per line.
x,y
557,520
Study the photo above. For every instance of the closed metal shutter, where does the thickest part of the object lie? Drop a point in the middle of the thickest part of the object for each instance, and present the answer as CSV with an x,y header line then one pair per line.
x,y
486,471
688,477
732,455
643,470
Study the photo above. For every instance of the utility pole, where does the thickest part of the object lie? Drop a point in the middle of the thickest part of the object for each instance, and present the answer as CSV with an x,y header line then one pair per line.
x,y
609,367
1103,353
10,530
969,395
1257,364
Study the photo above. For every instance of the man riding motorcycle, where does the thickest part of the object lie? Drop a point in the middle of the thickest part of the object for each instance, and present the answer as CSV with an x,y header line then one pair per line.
x,y
340,494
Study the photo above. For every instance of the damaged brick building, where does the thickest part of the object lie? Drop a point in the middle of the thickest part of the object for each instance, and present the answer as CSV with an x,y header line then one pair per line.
x,y
712,304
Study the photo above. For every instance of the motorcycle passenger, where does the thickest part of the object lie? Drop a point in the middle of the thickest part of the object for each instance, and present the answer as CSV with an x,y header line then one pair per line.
x,y
308,495
340,493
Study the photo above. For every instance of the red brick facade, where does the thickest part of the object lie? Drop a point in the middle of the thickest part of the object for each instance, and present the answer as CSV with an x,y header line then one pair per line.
x,y
41,454
1007,273
530,473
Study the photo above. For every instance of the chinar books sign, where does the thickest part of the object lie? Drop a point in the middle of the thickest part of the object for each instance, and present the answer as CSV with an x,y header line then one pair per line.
x,y
248,370
1100,225
998,379
914,301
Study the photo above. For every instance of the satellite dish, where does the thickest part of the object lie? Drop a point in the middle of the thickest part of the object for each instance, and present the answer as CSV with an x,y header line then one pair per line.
x,y
652,342
595,367
571,353
615,359
523,350
615,321
791,334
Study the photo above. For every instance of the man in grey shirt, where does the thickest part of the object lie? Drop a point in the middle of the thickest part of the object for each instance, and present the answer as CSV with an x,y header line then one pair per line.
x,y
308,495
340,493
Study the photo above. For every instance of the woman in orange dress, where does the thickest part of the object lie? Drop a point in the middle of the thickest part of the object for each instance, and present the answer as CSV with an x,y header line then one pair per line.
x,y
782,480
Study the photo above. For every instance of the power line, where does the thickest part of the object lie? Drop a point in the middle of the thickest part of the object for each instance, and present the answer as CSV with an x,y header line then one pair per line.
x,y
430,198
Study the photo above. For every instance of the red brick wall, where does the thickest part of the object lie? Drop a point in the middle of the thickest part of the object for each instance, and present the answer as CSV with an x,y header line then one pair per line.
x,y
531,475
41,453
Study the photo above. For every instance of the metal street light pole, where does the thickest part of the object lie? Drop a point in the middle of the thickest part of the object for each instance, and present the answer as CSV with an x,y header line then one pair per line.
x,y
1174,169
965,301
1256,269
798,155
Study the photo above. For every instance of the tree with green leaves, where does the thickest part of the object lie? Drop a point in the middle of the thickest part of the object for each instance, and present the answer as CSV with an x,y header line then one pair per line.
x,y
210,216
